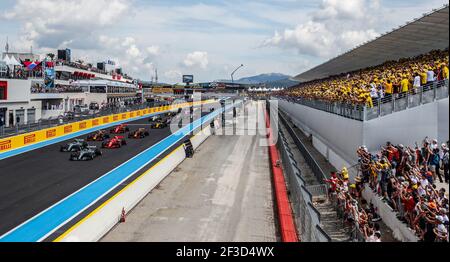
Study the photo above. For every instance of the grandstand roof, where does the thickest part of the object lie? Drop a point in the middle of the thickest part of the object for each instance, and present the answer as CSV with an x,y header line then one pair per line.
x,y
418,37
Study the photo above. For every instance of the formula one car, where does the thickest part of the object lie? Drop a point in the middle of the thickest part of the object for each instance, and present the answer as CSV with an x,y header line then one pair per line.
x,y
121,129
115,142
160,123
99,136
155,119
139,134
75,146
86,154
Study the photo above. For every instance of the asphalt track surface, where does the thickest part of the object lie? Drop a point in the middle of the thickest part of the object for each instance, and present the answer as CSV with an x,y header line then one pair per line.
x,y
35,180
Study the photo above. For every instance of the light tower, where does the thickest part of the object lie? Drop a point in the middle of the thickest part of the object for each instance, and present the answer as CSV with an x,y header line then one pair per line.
x,y
7,45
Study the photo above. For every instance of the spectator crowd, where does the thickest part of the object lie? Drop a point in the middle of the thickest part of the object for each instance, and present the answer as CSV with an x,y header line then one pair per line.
x,y
363,86
359,217
406,179
39,88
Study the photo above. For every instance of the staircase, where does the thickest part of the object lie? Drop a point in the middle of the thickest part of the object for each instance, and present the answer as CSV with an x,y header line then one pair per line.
x,y
331,223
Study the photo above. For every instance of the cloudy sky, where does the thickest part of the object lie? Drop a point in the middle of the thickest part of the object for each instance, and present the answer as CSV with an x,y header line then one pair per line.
x,y
205,38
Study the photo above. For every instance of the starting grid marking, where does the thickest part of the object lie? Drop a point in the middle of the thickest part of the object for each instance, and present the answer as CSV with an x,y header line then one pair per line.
x,y
45,223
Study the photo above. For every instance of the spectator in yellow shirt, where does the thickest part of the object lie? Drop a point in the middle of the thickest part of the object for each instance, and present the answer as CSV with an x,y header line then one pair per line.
x,y
405,84
423,77
388,87
444,69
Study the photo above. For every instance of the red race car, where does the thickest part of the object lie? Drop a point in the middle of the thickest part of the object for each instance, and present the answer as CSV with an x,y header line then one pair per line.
x,y
99,136
115,142
122,129
139,134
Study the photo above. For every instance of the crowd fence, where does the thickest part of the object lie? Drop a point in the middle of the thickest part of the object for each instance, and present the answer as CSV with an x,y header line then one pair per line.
x,y
72,117
307,217
382,106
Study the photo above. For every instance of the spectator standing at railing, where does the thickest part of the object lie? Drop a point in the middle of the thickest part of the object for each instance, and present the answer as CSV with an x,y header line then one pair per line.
x,y
388,88
417,82
423,76
430,75
404,83
444,70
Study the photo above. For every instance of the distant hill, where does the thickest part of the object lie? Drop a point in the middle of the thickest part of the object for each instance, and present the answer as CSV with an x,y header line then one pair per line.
x,y
263,78
271,80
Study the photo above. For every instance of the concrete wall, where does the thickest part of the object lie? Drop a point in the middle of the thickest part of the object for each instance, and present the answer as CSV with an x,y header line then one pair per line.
x,y
336,135
443,120
99,222
400,231
18,91
409,126
337,138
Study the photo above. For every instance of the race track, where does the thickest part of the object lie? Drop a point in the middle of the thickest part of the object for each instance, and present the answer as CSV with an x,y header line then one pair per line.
x,y
34,181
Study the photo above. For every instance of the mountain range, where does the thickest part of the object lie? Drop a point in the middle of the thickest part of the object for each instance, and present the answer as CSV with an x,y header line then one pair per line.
x,y
270,80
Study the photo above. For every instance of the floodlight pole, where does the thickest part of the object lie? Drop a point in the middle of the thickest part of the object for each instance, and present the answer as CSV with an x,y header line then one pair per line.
x,y
232,74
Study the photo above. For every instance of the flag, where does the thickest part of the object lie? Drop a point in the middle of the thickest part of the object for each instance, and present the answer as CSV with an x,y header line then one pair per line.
x,y
31,65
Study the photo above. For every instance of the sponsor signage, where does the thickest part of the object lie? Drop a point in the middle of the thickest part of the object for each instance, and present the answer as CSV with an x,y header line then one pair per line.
x,y
188,79
51,133
5,145
82,125
106,120
95,122
29,139
68,129
124,116
116,118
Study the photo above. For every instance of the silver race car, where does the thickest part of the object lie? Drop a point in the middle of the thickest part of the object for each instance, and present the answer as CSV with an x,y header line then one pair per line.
x,y
75,146
86,154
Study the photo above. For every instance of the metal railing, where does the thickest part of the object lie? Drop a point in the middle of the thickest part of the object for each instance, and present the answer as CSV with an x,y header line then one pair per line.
x,y
307,217
413,98
312,163
382,106
356,233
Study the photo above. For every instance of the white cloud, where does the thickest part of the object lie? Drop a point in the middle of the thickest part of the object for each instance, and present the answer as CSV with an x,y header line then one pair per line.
x,y
153,50
128,41
336,27
70,21
133,51
196,59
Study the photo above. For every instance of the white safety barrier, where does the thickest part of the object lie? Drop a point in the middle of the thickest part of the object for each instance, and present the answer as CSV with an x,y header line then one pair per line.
x,y
98,223
400,231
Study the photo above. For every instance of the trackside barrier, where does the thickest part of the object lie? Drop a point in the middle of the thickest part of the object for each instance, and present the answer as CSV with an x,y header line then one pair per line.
x,y
98,223
285,216
307,218
52,134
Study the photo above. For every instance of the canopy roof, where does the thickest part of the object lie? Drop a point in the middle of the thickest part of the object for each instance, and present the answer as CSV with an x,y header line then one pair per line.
x,y
428,33
102,82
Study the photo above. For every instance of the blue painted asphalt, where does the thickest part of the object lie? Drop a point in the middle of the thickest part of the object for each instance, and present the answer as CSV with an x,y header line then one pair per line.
x,y
45,223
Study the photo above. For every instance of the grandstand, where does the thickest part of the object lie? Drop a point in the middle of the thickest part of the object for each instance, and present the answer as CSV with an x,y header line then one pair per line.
x,y
394,88
415,38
